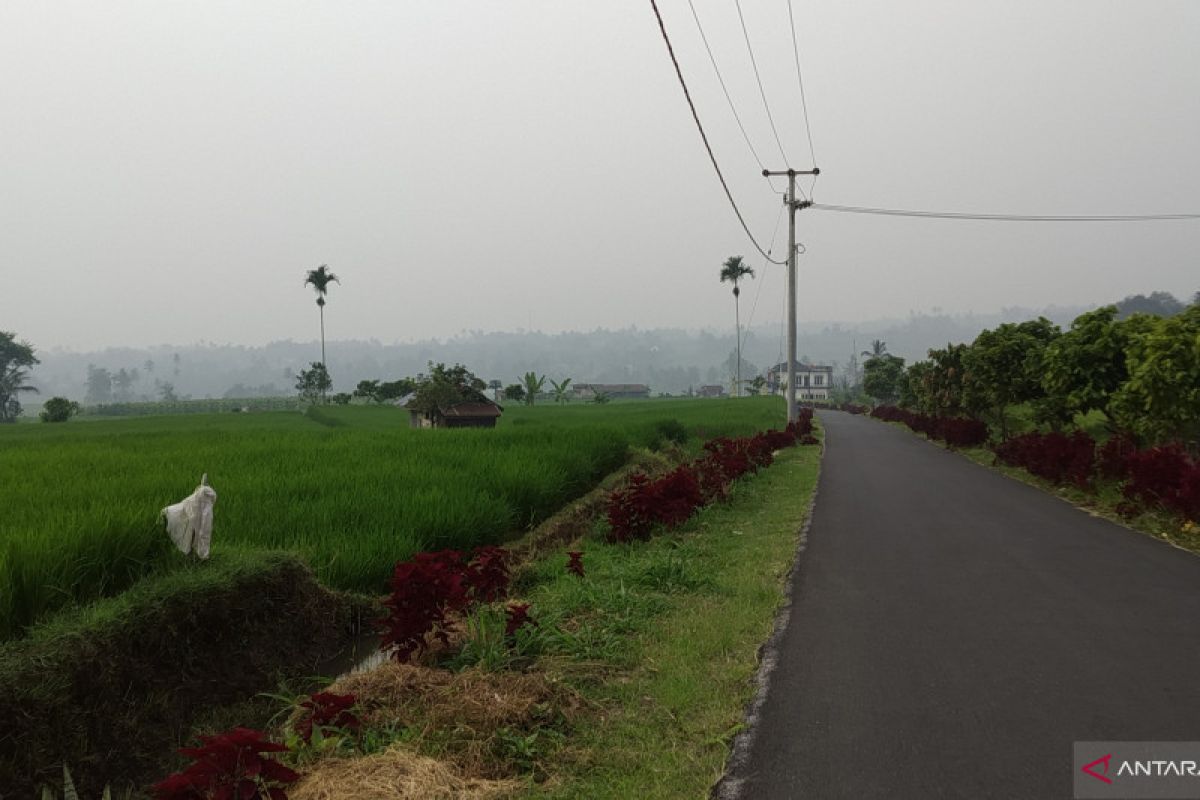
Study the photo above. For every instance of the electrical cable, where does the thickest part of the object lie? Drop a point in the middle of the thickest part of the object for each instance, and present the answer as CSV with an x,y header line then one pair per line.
x,y
728,97
896,212
758,78
703,136
800,77
762,280
803,100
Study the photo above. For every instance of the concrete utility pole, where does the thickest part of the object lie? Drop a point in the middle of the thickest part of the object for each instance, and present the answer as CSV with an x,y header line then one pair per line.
x,y
793,206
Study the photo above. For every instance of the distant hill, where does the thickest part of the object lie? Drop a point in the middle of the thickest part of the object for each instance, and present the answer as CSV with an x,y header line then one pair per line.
x,y
666,359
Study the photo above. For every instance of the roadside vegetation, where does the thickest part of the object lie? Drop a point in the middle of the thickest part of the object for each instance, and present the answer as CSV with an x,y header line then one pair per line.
x,y
594,670
1107,412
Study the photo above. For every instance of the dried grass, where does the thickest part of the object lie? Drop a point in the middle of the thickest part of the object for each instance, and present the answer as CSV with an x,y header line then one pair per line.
x,y
394,774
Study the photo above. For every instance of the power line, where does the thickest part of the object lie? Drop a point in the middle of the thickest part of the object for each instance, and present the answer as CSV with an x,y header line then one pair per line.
x,y
897,212
724,88
758,78
763,279
800,78
700,127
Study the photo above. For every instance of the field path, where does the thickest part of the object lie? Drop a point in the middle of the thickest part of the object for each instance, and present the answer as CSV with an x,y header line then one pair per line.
x,y
953,631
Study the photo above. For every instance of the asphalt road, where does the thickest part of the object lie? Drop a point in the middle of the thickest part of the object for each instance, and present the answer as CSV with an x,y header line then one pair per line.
x,y
953,632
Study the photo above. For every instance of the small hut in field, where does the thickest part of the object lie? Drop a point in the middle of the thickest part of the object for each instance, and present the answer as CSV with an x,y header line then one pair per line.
x,y
476,412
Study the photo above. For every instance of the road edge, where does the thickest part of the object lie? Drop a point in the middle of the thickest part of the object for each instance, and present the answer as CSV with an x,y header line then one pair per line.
x,y
731,783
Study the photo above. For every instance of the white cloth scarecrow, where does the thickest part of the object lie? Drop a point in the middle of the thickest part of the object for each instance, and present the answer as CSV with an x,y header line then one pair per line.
x,y
190,521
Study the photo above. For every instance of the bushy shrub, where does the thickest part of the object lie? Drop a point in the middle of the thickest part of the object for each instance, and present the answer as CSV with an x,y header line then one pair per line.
x,y
430,585
1165,477
642,503
954,431
1057,457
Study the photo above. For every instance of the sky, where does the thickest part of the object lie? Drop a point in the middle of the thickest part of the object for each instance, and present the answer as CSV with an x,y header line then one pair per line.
x,y
169,171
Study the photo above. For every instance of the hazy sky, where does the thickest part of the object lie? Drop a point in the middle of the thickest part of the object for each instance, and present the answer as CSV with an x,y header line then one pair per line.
x,y
170,170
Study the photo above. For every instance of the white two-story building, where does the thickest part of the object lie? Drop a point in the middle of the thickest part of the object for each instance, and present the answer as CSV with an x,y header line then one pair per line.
x,y
813,382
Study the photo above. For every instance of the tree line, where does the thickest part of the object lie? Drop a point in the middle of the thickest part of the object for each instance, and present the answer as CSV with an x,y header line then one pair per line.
x,y
1140,371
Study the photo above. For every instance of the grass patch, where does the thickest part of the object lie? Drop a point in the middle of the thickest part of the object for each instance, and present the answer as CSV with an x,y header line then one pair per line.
x,y
662,638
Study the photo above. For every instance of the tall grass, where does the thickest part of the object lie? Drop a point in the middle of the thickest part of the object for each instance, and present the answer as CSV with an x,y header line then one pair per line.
x,y
352,490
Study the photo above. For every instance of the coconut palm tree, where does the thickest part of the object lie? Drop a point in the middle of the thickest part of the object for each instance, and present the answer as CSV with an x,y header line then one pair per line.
x,y
320,278
878,348
734,270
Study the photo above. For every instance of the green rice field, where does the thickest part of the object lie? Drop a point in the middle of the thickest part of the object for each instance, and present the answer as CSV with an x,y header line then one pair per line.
x,y
352,489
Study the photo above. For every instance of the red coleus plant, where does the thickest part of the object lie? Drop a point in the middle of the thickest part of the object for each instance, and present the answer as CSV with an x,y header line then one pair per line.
x,y
487,574
427,587
327,710
230,766
423,590
575,563
518,617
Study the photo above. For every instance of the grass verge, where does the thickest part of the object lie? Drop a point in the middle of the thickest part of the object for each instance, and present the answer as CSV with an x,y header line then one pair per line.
x,y
662,639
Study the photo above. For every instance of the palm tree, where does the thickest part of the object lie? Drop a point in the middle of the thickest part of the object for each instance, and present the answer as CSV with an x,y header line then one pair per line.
x,y
533,385
878,348
734,270
560,390
320,279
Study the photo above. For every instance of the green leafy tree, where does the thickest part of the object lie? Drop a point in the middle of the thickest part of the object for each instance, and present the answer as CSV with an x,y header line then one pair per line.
x,y
734,270
446,386
533,386
514,392
1161,399
935,386
16,359
912,384
560,390
319,279
368,390
758,383
1003,368
58,409
166,392
313,383
883,376
394,390
1083,368
600,398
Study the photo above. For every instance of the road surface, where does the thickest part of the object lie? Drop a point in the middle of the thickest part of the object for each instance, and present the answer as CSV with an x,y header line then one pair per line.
x,y
953,631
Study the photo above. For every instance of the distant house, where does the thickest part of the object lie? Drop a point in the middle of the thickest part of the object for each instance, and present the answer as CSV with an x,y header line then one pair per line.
x,y
615,391
711,391
477,413
813,382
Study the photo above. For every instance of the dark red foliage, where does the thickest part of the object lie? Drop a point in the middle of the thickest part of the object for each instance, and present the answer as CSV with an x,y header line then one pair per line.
x,y
230,766
854,408
428,586
1166,477
1057,457
487,575
518,617
634,510
326,710
954,431
1113,456
575,563
423,590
